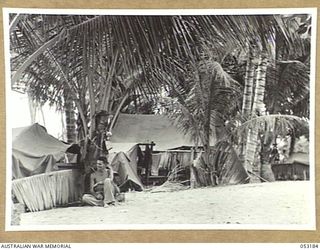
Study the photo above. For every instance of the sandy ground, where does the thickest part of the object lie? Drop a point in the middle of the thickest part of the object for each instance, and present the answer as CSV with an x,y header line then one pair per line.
x,y
282,203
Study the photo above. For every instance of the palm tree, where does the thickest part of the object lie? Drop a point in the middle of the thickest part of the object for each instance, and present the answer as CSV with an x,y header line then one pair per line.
x,y
96,63
206,94
257,109
285,80
78,70
100,60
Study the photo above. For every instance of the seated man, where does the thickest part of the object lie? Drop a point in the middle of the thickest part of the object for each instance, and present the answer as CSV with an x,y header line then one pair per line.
x,y
103,190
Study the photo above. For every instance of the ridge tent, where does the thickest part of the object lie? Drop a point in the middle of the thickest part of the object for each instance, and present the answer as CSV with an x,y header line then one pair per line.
x,y
34,151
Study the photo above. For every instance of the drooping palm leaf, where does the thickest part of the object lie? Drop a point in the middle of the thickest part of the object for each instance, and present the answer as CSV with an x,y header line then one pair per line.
x,y
171,44
288,84
275,123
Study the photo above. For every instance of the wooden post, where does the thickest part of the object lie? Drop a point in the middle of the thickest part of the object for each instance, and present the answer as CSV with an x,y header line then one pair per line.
x,y
146,164
192,175
148,159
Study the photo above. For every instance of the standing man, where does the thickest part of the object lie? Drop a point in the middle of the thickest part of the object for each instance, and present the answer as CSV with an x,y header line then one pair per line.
x,y
103,190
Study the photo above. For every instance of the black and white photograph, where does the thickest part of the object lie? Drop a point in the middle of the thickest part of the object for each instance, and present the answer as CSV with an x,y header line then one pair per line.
x,y
160,119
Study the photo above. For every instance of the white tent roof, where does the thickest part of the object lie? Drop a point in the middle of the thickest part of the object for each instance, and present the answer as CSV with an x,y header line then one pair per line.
x,y
132,129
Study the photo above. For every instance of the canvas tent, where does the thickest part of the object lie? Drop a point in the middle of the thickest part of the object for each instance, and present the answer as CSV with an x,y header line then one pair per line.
x,y
34,151
131,129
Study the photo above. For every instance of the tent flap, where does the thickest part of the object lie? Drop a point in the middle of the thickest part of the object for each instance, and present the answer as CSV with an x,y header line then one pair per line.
x,y
125,167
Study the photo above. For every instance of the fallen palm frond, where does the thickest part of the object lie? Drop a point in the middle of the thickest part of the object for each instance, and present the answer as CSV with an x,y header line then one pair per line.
x,y
169,186
202,177
176,173
45,191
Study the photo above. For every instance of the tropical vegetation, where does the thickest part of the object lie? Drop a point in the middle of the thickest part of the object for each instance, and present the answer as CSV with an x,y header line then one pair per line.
x,y
241,79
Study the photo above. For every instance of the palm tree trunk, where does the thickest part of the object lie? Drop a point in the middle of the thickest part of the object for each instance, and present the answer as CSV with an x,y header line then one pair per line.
x,y
252,155
70,118
106,90
247,98
92,104
207,128
117,112
32,109
248,88
258,102
42,116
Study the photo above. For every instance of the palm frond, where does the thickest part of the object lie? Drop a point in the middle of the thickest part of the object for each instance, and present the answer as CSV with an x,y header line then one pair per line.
x,y
276,123
288,83
228,165
179,53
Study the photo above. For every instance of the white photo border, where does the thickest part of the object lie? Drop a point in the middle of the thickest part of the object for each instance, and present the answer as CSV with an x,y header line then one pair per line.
x,y
258,11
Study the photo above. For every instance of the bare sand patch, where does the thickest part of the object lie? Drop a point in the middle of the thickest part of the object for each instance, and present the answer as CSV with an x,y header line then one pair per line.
x,y
283,203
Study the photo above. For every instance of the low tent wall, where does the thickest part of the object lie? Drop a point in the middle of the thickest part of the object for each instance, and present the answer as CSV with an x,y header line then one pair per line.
x,y
229,169
291,171
168,160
